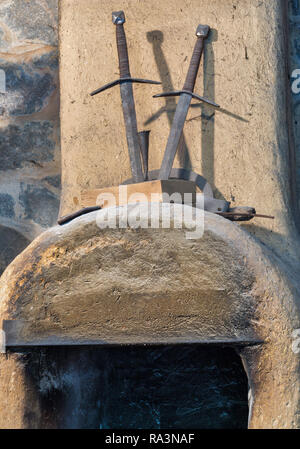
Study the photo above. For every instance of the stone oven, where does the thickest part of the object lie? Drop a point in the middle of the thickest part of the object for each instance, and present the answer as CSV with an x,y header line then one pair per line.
x,y
80,290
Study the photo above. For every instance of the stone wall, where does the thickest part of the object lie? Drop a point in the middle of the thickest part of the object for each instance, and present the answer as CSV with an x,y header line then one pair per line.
x,y
29,122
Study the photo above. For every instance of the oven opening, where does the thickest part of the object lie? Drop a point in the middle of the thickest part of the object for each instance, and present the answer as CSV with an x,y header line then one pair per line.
x,y
138,387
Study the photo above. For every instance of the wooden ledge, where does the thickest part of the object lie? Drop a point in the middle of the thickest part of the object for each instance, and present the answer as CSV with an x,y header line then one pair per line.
x,y
172,190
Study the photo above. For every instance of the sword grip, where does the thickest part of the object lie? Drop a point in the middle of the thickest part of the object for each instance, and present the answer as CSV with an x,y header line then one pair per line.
x,y
191,77
122,52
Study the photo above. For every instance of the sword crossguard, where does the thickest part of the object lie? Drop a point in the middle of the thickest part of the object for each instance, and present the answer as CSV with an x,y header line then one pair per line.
x,y
123,80
177,93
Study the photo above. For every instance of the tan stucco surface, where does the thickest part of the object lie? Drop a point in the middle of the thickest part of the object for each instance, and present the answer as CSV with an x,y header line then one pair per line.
x,y
242,150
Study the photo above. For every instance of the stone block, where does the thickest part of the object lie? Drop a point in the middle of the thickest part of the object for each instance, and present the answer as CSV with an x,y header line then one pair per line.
x,y
40,204
32,142
11,244
7,204
32,20
28,86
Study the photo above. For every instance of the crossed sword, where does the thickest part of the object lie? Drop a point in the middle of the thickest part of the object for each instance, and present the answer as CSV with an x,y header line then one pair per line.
x,y
125,81
136,148
138,142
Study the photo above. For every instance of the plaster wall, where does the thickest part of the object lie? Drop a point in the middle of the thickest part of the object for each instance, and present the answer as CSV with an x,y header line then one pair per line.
x,y
243,149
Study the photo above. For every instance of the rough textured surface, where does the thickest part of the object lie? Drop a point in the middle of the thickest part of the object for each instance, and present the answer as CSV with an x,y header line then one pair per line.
x,y
29,120
13,391
138,285
239,149
31,143
11,244
148,284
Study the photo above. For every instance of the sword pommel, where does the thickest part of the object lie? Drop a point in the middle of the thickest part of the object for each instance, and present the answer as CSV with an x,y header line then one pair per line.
x,y
202,31
118,17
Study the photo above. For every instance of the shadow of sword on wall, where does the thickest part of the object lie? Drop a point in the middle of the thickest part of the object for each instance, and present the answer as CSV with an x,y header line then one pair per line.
x,y
156,38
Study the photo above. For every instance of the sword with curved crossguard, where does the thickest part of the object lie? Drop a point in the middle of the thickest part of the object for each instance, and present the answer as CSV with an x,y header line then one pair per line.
x,y
186,96
125,82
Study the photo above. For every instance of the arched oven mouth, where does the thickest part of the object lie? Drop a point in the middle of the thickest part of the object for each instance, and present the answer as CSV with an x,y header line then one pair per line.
x,y
137,386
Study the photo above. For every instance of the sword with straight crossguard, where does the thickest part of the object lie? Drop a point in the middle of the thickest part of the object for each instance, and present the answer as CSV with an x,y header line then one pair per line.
x,y
186,96
125,82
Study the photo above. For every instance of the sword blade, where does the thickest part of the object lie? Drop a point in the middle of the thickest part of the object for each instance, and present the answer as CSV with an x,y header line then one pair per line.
x,y
131,131
175,134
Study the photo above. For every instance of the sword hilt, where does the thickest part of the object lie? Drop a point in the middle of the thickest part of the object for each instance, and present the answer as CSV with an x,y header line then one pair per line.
x,y
201,33
188,88
118,19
